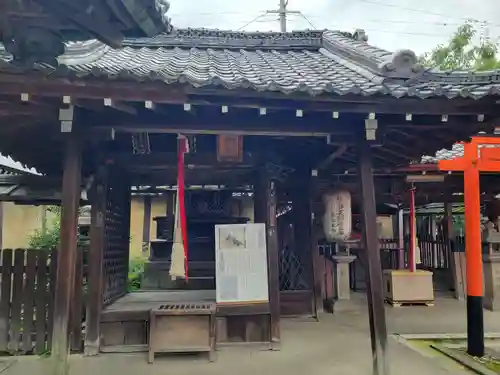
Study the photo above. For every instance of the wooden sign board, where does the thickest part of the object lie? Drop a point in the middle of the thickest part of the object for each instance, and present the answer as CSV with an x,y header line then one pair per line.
x,y
241,264
230,148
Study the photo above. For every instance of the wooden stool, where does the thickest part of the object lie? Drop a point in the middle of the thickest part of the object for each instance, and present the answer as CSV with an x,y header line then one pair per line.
x,y
180,327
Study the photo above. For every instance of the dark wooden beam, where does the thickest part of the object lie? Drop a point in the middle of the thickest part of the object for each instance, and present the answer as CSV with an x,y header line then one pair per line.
x,y
13,109
1,224
373,267
265,212
98,88
92,19
66,259
255,127
165,160
302,199
334,155
96,263
415,106
120,106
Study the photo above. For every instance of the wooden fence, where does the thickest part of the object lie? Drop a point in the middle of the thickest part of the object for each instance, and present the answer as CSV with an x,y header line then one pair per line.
x,y
27,280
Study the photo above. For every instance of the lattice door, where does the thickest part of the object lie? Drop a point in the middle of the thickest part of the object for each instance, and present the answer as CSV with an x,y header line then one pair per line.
x,y
117,238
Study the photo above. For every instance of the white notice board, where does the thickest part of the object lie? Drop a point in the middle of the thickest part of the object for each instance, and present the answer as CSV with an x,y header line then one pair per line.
x,y
241,264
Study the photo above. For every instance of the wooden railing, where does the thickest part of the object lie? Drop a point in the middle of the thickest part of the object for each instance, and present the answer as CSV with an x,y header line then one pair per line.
x,y
27,290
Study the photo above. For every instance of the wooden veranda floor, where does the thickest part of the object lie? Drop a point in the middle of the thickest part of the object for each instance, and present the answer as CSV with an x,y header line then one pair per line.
x,y
146,300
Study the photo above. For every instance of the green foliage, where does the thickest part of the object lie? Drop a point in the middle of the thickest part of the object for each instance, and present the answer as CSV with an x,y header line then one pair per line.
x,y
47,238
461,53
135,272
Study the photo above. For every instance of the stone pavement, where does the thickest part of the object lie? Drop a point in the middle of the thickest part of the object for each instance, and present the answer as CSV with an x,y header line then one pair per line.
x,y
338,344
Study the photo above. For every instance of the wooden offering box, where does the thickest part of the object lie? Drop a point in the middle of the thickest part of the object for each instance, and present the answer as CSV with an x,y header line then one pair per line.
x,y
182,328
406,287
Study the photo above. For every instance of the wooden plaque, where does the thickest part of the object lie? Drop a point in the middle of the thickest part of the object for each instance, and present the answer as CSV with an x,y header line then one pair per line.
x,y
230,148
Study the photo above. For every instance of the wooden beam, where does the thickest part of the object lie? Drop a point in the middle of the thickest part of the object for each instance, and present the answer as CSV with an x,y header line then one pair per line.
x,y
92,21
120,106
395,153
249,128
66,259
334,155
1,224
165,160
371,253
26,109
265,212
366,104
96,263
156,92
303,233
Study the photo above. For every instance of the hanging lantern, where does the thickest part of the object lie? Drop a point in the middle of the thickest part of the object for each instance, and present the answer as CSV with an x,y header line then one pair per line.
x,y
337,221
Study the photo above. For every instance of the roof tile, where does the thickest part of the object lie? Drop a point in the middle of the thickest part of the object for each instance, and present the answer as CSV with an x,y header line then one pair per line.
x,y
313,61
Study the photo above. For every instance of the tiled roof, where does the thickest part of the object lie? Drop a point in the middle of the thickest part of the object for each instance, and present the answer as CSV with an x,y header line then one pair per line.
x,y
315,62
457,150
10,166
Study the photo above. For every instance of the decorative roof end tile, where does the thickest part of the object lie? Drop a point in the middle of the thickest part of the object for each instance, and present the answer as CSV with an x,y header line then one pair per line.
x,y
360,35
403,64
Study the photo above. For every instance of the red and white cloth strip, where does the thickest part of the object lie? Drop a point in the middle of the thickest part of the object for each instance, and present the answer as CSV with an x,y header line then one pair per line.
x,y
182,149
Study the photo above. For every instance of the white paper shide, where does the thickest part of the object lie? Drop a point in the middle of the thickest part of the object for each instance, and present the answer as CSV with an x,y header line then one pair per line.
x,y
337,220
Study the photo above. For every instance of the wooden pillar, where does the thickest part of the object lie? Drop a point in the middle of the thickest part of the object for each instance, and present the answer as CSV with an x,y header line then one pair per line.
x,y
66,258
96,263
401,239
305,241
146,224
265,212
317,260
457,259
413,232
1,225
436,260
378,327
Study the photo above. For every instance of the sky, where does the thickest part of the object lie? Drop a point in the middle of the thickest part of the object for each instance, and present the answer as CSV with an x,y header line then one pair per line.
x,y
390,24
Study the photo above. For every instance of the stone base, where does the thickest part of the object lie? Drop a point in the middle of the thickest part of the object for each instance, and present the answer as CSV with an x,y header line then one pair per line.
x,y
492,282
341,287
405,287
458,274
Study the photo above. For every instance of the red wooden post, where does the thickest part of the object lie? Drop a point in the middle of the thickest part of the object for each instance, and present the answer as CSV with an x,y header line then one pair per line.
x,y
473,255
473,161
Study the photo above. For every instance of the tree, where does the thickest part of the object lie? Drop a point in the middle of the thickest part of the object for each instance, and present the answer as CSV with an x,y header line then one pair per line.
x,y
462,54
48,237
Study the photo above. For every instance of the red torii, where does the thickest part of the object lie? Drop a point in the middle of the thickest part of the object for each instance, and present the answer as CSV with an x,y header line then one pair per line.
x,y
474,161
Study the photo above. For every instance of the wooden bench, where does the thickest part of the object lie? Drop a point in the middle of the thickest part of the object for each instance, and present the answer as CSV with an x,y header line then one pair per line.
x,y
180,327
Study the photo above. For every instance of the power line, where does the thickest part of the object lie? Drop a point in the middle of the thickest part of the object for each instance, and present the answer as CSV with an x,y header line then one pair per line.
x,y
312,16
308,21
404,22
423,11
252,21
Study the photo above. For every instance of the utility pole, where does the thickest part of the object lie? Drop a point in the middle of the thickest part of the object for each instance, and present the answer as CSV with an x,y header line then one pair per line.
x,y
282,11
283,5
